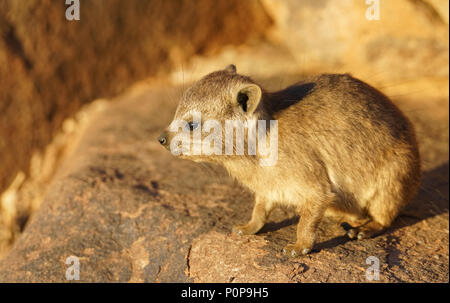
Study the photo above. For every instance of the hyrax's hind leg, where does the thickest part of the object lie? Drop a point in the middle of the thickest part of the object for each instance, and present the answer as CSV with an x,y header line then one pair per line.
x,y
382,210
352,220
261,212
395,188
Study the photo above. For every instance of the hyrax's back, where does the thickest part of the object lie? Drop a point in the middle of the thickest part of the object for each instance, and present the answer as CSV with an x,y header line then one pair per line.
x,y
365,145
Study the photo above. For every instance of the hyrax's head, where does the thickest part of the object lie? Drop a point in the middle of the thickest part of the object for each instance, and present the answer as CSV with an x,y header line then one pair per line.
x,y
197,131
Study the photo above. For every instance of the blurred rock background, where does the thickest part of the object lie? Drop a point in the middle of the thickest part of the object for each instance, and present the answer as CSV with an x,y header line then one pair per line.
x,y
50,67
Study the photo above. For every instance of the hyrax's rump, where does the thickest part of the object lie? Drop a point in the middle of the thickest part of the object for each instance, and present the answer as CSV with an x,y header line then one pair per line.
x,y
342,147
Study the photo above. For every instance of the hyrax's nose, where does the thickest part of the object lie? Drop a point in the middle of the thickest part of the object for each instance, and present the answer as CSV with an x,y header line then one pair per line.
x,y
163,139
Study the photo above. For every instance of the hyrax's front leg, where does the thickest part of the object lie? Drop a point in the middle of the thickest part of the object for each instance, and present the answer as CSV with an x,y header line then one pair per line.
x,y
260,214
310,216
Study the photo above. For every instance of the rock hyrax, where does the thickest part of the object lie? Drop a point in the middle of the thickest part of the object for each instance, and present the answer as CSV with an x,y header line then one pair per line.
x,y
343,148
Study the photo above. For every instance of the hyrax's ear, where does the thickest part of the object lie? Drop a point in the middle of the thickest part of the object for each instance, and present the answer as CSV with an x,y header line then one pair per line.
x,y
248,97
231,68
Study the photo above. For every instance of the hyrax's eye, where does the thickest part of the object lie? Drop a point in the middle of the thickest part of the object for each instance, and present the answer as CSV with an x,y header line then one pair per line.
x,y
192,125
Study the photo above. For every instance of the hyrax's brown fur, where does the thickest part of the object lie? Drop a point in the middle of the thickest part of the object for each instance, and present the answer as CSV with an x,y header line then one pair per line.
x,y
343,148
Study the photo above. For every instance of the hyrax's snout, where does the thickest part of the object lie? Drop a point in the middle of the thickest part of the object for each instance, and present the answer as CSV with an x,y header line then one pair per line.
x,y
163,139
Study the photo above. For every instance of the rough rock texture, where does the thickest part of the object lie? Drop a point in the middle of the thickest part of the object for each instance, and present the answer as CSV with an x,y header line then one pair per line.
x,y
132,212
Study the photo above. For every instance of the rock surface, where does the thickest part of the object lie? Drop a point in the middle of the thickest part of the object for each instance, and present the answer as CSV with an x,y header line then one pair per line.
x,y
131,212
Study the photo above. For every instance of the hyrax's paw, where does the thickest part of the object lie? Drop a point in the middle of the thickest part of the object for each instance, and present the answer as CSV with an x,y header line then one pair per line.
x,y
352,233
243,230
293,250
355,233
